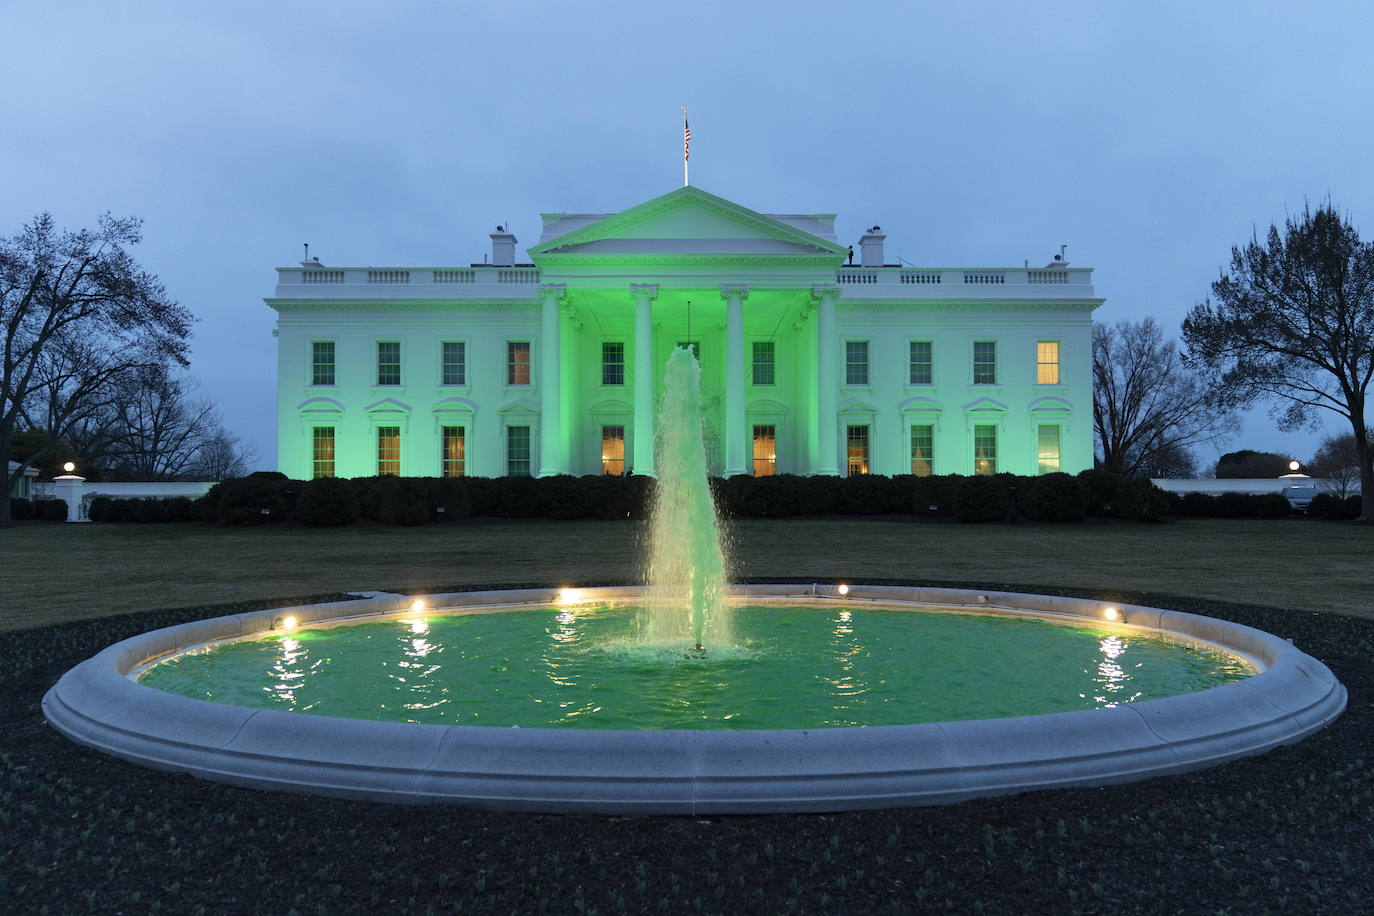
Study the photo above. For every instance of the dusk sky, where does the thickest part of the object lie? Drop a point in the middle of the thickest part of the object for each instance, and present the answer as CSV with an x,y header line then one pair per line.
x,y
1149,137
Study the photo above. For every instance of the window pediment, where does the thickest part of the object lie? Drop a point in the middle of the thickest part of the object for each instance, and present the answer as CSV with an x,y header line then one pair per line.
x,y
522,407
610,408
320,407
926,407
455,406
387,406
1050,407
985,407
853,406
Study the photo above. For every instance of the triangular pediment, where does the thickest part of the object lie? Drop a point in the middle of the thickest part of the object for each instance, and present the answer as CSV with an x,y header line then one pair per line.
x,y
687,222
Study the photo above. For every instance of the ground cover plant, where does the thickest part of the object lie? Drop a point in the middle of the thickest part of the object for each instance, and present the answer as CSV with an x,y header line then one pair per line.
x,y
80,832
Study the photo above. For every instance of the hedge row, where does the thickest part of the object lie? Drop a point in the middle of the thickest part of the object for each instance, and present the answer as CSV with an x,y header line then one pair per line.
x,y
158,509
1234,505
1330,506
421,500
269,498
38,510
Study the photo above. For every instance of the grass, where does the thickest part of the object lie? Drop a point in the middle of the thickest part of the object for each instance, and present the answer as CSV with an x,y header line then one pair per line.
x,y
52,573
1289,831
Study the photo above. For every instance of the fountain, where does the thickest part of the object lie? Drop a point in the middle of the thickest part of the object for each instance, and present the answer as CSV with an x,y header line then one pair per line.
x,y
834,754
686,566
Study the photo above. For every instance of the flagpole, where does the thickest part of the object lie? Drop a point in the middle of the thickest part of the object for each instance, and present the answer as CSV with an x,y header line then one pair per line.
x,y
686,148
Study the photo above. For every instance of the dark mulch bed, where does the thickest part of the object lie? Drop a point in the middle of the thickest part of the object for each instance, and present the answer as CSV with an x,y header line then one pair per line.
x,y
1289,831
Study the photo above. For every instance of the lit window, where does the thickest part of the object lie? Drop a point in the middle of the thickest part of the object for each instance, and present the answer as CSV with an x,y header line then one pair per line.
x,y
322,362
517,362
613,450
765,451
856,363
1047,440
856,439
922,370
388,362
455,361
1047,362
922,450
693,345
985,362
764,362
455,451
518,450
612,364
389,450
985,450
322,451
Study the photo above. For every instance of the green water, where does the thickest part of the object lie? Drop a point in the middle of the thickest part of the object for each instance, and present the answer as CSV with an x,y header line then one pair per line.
x,y
584,667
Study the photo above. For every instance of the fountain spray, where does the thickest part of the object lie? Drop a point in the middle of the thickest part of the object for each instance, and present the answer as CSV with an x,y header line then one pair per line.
x,y
685,555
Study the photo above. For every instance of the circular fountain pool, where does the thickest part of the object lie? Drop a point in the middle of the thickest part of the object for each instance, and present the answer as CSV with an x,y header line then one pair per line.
x,y
791,667
828,764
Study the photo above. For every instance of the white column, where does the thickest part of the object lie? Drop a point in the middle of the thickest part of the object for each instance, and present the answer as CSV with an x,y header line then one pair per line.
x,y
735,438
643,295
827,379
551,458
68,488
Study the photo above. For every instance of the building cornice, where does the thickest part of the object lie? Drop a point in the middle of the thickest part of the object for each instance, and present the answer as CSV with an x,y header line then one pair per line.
x,y
408,305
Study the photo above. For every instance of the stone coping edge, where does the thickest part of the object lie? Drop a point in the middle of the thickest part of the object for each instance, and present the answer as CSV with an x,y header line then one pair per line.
x,y
99,705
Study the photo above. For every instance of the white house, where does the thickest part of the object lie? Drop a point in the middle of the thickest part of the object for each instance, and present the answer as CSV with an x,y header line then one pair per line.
x,y
815,360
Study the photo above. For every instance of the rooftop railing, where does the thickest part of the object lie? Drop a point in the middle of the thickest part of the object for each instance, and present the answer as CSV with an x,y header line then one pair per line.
x,y
393,276
948,278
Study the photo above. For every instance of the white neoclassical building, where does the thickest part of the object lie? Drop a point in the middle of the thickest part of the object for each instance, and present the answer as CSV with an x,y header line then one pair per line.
x,y
815,359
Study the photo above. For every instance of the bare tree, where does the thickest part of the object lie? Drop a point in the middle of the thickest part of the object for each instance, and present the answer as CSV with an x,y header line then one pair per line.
x,y
79,316
1293,321
1337,463
223,456
162,428
1148,405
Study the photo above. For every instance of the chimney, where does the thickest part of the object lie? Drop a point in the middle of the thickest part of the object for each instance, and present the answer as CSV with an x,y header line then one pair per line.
x,y
871,248
502,248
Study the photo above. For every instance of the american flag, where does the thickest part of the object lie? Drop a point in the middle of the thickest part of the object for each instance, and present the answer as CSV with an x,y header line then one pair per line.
x,y
686,141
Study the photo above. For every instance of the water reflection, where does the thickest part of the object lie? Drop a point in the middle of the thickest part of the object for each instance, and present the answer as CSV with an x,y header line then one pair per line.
x,y
415,676
1111,677
288,672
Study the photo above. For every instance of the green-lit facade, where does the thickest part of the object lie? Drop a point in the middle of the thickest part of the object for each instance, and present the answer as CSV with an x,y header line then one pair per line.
x,y
811,364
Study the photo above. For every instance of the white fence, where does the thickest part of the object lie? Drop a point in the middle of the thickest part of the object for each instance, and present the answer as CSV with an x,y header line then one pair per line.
x,y
78,492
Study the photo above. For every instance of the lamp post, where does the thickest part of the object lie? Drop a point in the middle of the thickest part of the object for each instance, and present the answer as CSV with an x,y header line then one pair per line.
x,y
67,487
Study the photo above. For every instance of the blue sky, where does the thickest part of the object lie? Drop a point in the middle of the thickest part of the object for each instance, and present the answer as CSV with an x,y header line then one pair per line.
x,y
1149,137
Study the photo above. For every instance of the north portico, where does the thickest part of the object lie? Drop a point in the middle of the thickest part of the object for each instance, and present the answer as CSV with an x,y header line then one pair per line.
x,y
810,364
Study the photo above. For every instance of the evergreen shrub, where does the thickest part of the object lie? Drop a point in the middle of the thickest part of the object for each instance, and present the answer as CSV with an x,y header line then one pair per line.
x,y
1138,499
327,501
240,501
1199,505
449,494
50,510
1099,488
1055,498
21,509
934,496
981,499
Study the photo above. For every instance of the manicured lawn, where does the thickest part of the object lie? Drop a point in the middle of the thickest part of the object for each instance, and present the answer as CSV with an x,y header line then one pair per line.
x,y
52,573
1290,831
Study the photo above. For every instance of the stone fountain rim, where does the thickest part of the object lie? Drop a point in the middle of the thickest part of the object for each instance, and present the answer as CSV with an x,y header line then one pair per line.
x,y
97,704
